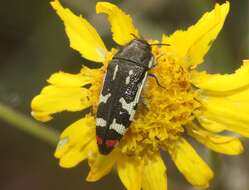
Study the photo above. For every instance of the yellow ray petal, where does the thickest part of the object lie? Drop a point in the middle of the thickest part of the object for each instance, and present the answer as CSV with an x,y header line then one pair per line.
x,y
65,86
82,35
231,124
225,111
41,116
154,174
121,23
222,83
130,171
71,158
76,155
62,79
189,163
65,93
240,96
191,46
55,99
76,142
77,134
210,125
222,144
100,166
80,131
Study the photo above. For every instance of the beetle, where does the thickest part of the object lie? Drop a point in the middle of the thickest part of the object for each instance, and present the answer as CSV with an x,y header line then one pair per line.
x,y
124,80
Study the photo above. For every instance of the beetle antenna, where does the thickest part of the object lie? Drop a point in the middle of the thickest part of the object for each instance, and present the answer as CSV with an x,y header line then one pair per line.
x,y
136,37
159,44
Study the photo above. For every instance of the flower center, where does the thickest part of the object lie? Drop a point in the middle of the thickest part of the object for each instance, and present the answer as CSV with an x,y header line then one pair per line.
x,y
162,111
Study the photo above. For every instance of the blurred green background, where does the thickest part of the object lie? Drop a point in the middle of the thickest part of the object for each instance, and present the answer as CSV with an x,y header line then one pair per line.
x,y
33,45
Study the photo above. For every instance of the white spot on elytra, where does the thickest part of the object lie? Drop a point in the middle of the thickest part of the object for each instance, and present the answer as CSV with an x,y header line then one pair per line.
x,y
100,122
104,99
119,128
127,80
129,107
115,72
125,105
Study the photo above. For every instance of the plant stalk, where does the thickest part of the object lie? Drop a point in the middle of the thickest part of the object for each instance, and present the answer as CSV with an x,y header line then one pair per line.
x,y
28,125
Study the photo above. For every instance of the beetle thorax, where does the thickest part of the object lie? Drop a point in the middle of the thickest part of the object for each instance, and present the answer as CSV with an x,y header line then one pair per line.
x,y
138,51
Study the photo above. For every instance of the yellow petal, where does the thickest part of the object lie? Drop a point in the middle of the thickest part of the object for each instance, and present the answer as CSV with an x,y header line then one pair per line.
x,y
239,96
130,171
75,155
82,35
65,94
41,116
154,174
121,23
222,144
100,166
222,83
56,99
189,163
76,142
81,131
191,46
62,79
210,125
232,124
232,114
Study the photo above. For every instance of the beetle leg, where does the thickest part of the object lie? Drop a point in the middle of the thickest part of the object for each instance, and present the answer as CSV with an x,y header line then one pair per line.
x,y
157,81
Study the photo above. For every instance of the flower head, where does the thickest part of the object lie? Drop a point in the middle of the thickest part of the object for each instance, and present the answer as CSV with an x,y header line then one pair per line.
x,y
195,103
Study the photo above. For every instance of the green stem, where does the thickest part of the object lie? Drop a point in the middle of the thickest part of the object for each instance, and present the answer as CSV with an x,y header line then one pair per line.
x,y
28,125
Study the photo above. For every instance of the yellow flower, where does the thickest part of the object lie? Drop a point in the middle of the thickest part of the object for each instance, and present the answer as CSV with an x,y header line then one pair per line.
x,y
193,103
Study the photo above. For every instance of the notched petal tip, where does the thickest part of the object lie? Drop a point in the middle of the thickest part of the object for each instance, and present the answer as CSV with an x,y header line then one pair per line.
x,y
121,23
190,164
225,4
219,143
76,142
66,92
199,37
154,174
222,83
41,116
55,99
54,3
130,170
82,35
100,166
